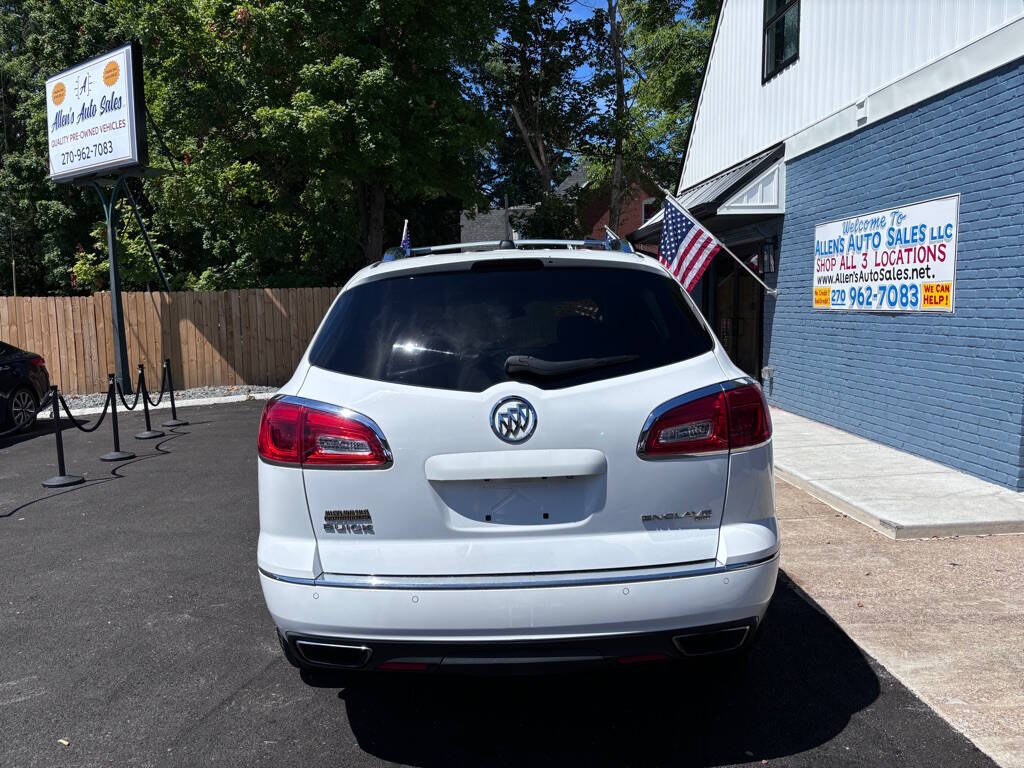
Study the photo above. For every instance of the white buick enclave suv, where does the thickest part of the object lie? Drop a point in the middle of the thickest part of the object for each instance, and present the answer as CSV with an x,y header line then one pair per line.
x,y
514,457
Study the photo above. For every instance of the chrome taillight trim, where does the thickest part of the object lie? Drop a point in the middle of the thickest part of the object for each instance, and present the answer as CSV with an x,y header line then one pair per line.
x,y
754,447
345,413
689,397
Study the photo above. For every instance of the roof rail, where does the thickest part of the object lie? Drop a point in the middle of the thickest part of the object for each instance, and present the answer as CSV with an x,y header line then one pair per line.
x,y
391,254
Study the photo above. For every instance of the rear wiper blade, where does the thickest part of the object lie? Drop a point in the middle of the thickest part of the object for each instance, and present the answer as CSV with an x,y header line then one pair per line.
x,y
540,367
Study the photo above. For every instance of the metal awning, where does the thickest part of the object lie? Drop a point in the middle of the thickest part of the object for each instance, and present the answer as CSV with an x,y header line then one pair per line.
x,y
704,199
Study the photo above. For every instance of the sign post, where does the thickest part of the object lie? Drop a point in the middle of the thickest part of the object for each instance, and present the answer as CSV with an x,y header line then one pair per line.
x,y
96,133
121,367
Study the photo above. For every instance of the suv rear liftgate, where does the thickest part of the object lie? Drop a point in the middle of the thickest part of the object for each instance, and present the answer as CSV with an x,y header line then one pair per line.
x,y
428,369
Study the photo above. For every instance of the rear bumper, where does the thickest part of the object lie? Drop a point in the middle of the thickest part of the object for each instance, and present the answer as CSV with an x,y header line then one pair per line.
x,y
524,616
328,654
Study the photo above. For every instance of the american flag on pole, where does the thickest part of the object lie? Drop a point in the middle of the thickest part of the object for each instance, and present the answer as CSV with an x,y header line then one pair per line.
x,y
406,240
686,247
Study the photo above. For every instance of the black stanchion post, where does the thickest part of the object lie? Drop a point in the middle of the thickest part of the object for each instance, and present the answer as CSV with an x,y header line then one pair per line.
x,y
175,421
62,479
117,454
150,433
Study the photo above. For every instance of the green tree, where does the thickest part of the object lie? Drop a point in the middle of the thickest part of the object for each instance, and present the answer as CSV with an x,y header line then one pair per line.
x,y
664,46
293,135
322,116
554,216
535,83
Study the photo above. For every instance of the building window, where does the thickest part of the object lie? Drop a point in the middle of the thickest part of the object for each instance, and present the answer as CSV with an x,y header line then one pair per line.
x,y
651,207
781,36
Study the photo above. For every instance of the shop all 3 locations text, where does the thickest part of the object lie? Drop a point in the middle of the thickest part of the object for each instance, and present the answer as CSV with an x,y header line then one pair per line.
x,y
900,260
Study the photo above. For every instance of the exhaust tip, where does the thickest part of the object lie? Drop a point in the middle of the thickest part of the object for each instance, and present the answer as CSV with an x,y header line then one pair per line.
x,y
716,641
333,654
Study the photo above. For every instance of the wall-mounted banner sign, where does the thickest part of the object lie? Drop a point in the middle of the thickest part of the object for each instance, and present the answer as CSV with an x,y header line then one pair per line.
x,y
96,115
899,260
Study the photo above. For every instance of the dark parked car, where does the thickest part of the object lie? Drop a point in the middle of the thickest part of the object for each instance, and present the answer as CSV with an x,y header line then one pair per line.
x,y
23,384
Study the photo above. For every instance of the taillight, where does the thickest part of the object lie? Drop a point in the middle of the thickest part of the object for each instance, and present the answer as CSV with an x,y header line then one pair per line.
x,y
750,423
306,433
718,422
281,432
38,362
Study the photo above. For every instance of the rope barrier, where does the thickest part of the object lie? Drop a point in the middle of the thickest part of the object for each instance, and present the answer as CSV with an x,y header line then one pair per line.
x,y
55,400
62,479
117,454
163,388
71,416
149,432
135,402
175,421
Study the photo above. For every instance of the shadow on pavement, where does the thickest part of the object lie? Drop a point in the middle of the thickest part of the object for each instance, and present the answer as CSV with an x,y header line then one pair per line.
x,y
804,680
114,473
42,428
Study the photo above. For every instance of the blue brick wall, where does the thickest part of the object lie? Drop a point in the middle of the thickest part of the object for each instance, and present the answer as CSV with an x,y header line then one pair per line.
x,y
946,387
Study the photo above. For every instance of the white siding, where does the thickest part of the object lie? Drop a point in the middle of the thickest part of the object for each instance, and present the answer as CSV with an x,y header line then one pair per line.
x,y
848,48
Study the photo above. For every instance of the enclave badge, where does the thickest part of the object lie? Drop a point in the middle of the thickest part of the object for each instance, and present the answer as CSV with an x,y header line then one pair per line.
x,y
693,514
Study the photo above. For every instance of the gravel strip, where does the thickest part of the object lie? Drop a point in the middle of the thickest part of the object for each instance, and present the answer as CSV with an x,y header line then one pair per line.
x,y
97,399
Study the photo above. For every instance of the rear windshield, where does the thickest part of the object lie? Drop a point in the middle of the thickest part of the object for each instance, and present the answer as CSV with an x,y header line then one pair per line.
x,y
456,330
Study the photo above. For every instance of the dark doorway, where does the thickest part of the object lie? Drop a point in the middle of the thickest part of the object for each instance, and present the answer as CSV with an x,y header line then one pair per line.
x,y
737,308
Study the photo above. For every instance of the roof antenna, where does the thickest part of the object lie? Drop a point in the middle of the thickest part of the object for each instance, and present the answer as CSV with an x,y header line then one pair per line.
x,y
507,243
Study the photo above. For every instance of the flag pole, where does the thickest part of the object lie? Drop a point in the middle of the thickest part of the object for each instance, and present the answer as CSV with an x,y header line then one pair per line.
x,y
723,246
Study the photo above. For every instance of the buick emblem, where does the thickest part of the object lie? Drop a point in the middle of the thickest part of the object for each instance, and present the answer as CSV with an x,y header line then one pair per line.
x,y
513,420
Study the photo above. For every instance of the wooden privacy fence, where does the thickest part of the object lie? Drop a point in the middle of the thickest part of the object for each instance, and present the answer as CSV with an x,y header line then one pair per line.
x,y
212,337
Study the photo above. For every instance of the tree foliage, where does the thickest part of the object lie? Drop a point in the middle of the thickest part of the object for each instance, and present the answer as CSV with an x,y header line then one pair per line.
x,y
665,48
537,86
554,216
296,135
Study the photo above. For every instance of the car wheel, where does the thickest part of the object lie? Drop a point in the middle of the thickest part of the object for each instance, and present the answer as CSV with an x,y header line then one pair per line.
x,y
22,409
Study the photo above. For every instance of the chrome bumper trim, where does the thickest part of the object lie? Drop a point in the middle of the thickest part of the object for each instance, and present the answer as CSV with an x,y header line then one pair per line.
x,y
520,580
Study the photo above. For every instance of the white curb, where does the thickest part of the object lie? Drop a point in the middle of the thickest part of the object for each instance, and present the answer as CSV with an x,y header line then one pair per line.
x,y
166,404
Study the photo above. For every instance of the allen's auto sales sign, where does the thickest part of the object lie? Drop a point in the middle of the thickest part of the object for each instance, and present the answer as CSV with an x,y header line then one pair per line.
x,y
95,114
898,260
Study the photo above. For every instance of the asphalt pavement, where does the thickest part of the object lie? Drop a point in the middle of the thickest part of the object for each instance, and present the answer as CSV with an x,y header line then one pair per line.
x,y
132,628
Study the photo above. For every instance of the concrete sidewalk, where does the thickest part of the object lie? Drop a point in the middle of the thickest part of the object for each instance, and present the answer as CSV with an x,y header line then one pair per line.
x,y
944,616
898,494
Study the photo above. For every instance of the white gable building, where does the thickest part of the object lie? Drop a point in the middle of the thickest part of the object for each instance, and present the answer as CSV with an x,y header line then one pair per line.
x,y
868,156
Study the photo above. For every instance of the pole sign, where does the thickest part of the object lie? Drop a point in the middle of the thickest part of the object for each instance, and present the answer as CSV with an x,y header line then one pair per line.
x,y
899,260
95,115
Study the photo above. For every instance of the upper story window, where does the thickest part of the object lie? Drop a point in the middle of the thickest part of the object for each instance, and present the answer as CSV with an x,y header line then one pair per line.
x,y
781,36
651,207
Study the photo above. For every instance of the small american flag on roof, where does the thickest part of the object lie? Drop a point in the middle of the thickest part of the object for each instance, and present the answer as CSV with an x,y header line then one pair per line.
x,y
686,248
406,240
